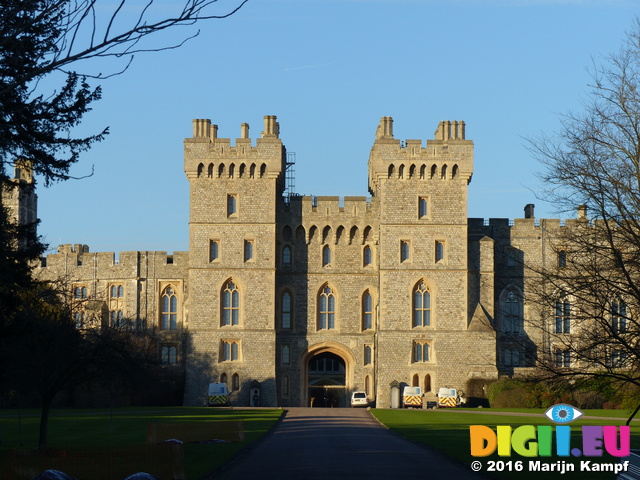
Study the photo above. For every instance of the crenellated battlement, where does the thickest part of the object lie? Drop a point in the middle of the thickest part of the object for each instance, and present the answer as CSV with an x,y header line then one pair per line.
x,y
77,257
447,157
209,157
527,226
314,207
77,248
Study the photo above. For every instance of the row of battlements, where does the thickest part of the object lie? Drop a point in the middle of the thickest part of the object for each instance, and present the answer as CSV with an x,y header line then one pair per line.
x,y
310,206
530,222
76,248
79,256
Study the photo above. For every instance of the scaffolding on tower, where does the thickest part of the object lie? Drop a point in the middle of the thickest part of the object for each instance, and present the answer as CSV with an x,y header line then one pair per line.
x,y
290,177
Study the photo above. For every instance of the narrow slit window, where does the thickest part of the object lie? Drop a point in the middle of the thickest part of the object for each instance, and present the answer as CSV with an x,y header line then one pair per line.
x,y
405,251
232,205
422,207
248,250
214,250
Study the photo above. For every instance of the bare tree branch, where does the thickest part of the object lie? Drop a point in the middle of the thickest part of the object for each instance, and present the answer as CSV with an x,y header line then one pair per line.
x,y
594,161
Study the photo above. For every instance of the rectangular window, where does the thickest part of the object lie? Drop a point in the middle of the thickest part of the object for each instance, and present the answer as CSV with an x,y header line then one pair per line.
x,y
248,250
563,358
563,317
421,352
439,251
286,310
422,207
230,351
618,359
619,317
169,354
117,319
511,357
232,205
80,320
405,250
214,250
562,259
367,355
286,355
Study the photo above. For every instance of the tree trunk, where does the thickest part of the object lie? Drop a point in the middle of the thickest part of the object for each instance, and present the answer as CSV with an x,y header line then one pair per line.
x,y
44,422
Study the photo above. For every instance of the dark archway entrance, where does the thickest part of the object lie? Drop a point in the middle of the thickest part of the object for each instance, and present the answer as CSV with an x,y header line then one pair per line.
x,y
327,380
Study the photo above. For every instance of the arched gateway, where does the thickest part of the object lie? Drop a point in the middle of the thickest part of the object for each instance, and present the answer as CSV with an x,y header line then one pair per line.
x,y
327,376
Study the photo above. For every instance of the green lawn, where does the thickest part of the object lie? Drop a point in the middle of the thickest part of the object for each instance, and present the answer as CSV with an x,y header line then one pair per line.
x,y
128,427
448,432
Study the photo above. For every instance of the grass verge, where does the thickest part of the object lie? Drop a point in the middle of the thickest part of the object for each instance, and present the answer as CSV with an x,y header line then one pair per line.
x,y
448,432
124,427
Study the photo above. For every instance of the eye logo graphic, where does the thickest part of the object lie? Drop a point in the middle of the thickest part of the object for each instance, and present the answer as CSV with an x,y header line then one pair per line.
x,y
562,413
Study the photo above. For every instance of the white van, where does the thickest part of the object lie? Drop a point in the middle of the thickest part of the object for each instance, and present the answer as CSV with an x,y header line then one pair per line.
x,y
218,395
359,399
448,397
412,397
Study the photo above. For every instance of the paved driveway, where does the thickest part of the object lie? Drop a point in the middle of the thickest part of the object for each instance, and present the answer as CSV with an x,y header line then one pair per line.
x,y
336,443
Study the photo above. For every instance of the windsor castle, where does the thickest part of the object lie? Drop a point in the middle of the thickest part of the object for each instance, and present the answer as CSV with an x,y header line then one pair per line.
x,y
298,300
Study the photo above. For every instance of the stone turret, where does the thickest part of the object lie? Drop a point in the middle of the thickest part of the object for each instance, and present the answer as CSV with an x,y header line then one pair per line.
x,y
19,195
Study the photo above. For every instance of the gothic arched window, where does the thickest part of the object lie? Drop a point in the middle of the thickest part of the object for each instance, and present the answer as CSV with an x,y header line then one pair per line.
x,y
286,255
511,310
286,311
563,316
326,255
367,311
326,309
367,255
169,314
230,304
421,306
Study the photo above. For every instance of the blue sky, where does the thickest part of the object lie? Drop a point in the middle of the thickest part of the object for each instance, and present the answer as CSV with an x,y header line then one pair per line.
x,y
329,69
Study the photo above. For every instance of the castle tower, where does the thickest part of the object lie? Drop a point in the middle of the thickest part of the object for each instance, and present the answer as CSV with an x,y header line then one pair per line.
x,y
231,282
421,193
20,197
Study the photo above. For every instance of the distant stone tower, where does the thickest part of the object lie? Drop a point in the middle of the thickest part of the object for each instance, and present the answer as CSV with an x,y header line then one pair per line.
x,y
20,198
421,193
232,271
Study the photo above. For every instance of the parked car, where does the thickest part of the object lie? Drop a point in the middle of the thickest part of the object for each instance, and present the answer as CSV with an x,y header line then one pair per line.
x,y
359,399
